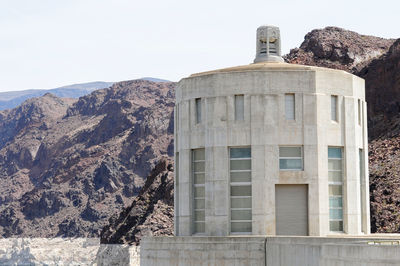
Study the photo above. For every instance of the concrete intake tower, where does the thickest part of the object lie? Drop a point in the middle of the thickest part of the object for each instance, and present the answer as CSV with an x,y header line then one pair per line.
x,y
271,148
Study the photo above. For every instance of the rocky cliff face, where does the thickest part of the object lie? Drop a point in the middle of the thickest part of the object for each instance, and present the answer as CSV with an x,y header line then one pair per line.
x,y
67,165
384,167
382,85
151,212
338,48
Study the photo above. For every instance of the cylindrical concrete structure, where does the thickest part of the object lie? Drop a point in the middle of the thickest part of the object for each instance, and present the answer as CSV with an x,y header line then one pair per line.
x,y
271,148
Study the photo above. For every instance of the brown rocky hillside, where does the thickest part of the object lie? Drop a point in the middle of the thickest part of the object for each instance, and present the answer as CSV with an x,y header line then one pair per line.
x,y
151,212
67,165
338,48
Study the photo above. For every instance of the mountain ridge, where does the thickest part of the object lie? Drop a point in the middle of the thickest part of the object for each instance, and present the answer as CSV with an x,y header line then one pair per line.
x,y
66,164
11,99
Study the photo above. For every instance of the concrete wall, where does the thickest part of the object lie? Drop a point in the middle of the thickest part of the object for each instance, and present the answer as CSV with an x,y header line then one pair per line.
x,y
186,251
299,251
359,254
271,251
265,128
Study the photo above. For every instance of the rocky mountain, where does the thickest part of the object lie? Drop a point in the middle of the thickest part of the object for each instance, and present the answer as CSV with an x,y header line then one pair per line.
x,y
12,99
338,48
67,165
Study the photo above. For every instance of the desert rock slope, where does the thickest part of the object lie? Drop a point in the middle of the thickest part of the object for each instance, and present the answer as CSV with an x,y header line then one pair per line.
x,y
67,165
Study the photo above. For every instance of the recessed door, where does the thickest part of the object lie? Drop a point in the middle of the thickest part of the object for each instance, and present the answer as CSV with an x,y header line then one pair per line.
x,y
291,208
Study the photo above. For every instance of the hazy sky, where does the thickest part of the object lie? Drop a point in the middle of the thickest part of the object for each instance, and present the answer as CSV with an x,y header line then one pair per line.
x,y
50,43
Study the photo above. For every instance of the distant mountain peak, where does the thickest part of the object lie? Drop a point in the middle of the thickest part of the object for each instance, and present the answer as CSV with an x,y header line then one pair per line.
x,y
11,99
155,79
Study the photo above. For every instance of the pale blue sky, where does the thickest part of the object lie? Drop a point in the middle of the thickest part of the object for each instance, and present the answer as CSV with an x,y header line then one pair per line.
x,y
50,43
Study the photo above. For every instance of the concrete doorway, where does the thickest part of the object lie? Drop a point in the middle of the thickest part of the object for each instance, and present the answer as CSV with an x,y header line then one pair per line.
x,y
291,210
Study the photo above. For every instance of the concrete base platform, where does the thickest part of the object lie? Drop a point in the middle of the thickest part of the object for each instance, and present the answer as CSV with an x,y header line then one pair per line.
x,y
377,250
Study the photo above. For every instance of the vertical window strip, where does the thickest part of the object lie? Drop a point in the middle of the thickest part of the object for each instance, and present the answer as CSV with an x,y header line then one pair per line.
x,y
335,175
359,112
176,122
176,191
361,163
198,174
198,110
177,118
239,107
290,106
240,190
334,102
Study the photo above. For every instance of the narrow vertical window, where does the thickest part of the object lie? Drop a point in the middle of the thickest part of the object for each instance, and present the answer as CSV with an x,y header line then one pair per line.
x,y
198,170
335,173
198,110
290,158
240,181
334,102
239,107
177,118
176,192
362,184
359,112
289,106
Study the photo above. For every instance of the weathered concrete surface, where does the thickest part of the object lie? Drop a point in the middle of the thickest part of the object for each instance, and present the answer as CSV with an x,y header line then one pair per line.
x,y
379,250
221,251
65,251
360,254
333,251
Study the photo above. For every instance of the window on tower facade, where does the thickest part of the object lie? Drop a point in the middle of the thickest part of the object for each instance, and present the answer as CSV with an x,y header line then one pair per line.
x,y
199,202
198,111
335,179
240,190
334,103
362,181
239,107
291,158
290,106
